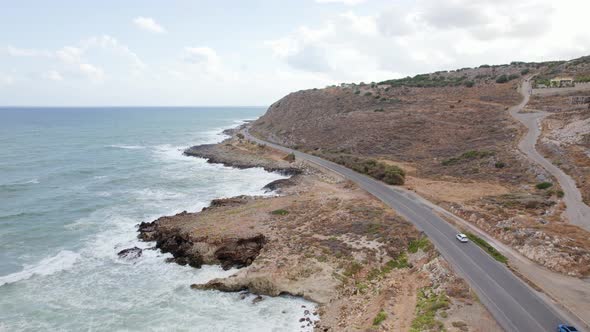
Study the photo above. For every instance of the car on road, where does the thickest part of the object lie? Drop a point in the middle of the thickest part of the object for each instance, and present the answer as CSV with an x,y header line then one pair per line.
x,y
462,238
566,328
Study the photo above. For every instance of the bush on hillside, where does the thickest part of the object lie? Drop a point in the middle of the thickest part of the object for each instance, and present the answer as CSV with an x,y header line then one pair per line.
x,y
389,174
502,79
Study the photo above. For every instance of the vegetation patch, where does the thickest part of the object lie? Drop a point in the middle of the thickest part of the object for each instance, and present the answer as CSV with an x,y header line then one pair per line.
x,y
280,212
544,185
400,262
468,156
487,247
427,80
381,316
352,269
290,157
421,243
389,174
429,303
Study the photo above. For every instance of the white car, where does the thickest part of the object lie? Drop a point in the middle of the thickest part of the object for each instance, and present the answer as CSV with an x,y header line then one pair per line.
x,y
462,238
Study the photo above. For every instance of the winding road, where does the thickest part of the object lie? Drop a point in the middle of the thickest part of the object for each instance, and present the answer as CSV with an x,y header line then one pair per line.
x,y
514,304
576,211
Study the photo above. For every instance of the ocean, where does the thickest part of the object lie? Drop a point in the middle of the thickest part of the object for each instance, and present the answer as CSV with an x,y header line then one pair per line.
x,y
75,182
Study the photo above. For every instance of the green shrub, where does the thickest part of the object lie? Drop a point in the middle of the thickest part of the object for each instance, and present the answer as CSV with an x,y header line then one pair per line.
x,y
467,156
379,110
469,84
389,174
381,316
427,306
417,244
502,79
560,193
544,185
513,77
400,262
427,80
240,135
524,71
487,247
499,164
368,93
357,92
280,212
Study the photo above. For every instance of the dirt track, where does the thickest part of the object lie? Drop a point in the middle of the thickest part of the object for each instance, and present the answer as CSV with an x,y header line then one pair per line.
x,y
576,211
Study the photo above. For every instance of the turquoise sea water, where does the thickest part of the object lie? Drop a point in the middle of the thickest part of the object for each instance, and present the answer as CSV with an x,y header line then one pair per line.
x,y
75,182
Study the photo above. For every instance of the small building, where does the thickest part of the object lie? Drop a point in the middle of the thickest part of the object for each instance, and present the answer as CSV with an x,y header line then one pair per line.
x,y
562,82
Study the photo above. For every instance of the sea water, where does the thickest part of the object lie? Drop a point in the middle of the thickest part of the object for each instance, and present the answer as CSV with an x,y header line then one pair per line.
x,y
75,182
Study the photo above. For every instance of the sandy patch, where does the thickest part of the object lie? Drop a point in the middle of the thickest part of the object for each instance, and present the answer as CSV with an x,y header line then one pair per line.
x,y
453,192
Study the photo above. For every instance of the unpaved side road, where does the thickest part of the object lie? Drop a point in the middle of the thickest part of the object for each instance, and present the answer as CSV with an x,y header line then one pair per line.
x,y
577,212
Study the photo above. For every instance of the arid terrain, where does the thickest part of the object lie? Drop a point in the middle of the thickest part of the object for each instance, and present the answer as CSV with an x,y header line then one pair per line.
x,y
458,145
326,240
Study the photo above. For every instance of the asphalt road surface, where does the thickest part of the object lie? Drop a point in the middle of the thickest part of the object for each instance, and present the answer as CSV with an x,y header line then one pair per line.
x,y
513,303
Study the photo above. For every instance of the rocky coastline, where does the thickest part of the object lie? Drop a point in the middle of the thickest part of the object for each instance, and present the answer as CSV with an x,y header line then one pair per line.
x,y
322,239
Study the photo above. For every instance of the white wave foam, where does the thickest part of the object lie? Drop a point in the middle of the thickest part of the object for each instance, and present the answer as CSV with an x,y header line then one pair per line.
x,y
33,181
149,194
64,260
167,152
128,147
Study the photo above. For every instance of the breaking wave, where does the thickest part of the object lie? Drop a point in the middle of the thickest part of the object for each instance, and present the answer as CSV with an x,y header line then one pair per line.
x,y
64,260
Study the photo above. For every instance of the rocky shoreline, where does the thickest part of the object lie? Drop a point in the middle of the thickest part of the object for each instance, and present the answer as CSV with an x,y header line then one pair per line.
x,y
322,239
230,156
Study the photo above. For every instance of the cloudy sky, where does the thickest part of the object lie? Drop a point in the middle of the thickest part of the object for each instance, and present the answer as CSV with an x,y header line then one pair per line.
x,y
252,52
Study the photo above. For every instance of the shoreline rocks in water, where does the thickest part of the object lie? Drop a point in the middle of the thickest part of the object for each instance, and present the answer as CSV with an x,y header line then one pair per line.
x,y
130,253
196,251
229,155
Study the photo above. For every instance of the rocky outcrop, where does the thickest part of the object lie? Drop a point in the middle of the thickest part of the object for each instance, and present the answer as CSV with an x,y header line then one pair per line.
x,y
230,156
230,202
195,250
280,184
130,253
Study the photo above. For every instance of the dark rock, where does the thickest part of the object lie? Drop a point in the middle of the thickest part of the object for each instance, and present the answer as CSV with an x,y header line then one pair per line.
x,y
257,299
240,253
130,253
279,184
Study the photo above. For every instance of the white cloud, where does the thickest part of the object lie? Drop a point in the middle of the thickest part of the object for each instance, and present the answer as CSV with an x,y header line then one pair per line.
x,y
70,54
109,43
148,24
430,35
24,52
53,75
345,2
202,55
86,58
92,72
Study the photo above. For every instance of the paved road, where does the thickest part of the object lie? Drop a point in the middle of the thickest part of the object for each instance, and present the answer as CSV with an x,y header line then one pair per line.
x,y
576,211
513,304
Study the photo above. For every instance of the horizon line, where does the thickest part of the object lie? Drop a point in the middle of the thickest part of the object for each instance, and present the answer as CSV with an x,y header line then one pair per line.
x,y
129,106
